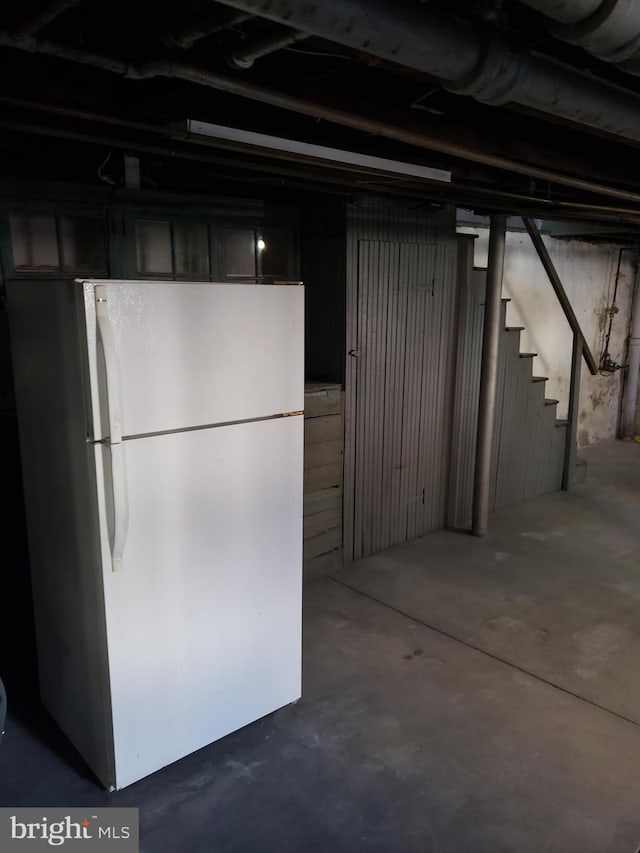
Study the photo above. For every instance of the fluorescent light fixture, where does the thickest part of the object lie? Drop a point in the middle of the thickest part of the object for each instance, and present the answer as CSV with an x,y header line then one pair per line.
x,y
318,152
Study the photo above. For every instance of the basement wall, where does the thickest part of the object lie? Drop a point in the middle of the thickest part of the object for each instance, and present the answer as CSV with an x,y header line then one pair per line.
x,y
588,273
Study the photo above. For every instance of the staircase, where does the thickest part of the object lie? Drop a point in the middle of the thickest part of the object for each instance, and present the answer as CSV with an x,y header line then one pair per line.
x,y
529,439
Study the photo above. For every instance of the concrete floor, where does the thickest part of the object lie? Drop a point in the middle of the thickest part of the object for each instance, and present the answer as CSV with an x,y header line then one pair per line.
x,y
460,695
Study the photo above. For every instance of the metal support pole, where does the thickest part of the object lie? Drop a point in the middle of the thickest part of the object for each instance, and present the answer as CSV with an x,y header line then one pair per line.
x,y
488,375
570,446
630,392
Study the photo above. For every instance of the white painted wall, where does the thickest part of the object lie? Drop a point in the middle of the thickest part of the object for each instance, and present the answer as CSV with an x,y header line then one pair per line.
x,y
588,273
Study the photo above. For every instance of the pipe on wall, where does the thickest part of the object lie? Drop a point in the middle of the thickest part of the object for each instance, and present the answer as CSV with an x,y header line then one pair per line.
x,y
488,376
465,61
609,29
632,377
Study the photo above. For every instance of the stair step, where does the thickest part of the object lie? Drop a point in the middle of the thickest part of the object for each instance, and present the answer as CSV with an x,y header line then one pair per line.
x,y
548,401
528,354
539,378
514,328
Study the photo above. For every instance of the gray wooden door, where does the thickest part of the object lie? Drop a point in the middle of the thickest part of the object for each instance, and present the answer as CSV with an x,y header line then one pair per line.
x,y
401,399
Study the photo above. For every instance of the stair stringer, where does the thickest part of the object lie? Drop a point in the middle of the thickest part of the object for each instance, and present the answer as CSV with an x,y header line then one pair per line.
x,y
528,442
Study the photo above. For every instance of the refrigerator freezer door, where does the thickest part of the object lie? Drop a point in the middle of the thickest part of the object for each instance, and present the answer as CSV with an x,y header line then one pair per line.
x,y
174,355
204,620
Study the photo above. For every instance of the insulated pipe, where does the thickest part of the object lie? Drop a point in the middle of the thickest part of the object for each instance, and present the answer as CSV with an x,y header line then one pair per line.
x,y
609,29
409,35
547,87
488,375
245,54
488,70
187,34
565,11
630,393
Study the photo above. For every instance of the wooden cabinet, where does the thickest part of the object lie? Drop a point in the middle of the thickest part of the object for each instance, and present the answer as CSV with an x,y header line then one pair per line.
x,y
323,477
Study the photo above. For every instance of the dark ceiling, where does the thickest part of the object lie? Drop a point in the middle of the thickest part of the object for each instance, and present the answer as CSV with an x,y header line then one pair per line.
x,y
60,117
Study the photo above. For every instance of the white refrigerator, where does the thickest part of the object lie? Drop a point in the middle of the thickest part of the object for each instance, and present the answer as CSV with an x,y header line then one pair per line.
x,y
161,436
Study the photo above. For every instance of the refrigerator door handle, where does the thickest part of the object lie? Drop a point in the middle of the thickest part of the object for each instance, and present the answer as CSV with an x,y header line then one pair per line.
x,y
118,479
120,506
105,331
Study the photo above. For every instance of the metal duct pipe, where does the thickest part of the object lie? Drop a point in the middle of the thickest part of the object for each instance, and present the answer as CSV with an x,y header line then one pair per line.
x,y
246,53
630,393
565,11
488,375
409,35
187,34
42,17
547,87
424,40
609,29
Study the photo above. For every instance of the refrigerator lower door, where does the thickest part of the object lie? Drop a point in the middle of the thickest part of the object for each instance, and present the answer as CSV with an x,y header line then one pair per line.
x,y
204,616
